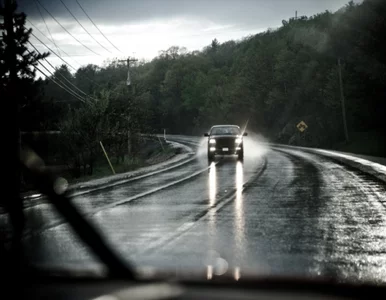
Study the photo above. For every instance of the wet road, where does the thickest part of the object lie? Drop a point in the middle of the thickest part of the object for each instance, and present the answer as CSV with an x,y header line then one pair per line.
x,y
281,212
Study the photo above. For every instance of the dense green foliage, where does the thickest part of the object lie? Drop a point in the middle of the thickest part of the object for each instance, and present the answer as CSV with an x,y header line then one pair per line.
x,y
17,63
274,79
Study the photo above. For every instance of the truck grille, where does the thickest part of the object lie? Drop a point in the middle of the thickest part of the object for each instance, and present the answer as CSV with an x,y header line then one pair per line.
x,y
225,142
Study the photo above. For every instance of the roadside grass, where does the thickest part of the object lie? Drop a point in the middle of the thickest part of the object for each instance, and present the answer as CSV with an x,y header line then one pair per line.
x,y
103,169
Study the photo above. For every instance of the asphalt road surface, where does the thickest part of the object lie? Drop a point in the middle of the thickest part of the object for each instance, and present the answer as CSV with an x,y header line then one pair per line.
x,y
280,212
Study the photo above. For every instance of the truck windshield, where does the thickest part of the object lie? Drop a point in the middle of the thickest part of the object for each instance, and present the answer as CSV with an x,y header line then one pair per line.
x,y
225,131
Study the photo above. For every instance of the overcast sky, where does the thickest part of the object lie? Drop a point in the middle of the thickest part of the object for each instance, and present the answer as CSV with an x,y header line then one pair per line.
x,y
142,28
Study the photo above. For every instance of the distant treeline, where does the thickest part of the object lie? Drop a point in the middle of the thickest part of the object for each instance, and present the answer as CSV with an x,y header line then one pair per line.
x,y
274,79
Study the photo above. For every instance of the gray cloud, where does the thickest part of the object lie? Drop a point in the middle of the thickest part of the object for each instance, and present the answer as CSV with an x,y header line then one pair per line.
x,y
250,13
144,27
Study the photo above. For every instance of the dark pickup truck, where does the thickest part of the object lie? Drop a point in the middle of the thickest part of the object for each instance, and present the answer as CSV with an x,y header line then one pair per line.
x,y
225,140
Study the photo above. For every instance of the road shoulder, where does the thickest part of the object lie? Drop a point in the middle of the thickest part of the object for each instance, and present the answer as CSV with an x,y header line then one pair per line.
x,y
374,166
184,155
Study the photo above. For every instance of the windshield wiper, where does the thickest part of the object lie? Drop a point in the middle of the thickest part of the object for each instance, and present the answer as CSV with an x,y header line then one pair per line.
x,y
47,182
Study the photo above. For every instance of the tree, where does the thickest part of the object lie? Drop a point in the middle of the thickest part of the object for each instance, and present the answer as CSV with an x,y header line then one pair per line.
x,y
82,131
86,77
17,66
17,62
54,93
214,45
16,73
274,78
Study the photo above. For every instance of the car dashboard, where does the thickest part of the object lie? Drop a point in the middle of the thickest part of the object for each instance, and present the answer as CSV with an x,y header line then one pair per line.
x,y
217,288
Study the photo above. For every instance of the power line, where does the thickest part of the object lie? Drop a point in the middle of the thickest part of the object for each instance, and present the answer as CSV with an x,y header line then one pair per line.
x,y
58,84
67,88
64,77
51,41
97,26
41,15
67,63
53,51
83,26
67,30
60,57
88,78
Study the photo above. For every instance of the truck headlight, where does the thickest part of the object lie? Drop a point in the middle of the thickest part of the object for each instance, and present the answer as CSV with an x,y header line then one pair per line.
x,y
238,141
212,141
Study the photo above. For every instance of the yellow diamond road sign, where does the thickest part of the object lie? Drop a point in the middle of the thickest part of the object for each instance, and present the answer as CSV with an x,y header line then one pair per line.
x,y
302,126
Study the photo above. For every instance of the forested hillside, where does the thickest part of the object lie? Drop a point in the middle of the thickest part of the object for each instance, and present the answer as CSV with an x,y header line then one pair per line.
x,y
274,79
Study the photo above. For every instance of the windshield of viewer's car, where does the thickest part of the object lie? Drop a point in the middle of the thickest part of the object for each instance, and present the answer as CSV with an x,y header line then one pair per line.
x,y
118,98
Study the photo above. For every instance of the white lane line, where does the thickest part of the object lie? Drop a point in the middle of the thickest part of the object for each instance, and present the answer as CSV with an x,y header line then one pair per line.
x,y
141,195
123,181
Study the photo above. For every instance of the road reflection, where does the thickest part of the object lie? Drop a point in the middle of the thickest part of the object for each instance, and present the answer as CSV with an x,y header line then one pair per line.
x,y
218,183
212,184
239,216
239,183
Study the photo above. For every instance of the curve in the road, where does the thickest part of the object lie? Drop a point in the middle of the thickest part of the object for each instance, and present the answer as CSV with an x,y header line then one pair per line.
x,y
293,213
126,200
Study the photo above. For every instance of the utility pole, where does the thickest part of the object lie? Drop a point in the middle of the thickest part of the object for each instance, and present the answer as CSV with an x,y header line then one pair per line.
x,y
343,102
128,81
296,15
131,91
